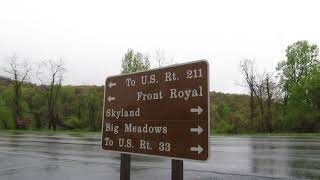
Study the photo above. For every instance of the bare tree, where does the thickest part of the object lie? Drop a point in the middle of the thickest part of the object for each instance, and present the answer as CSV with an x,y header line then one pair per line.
x,y
259,91
19,72
161,59
263,90
270,92
267,92
247,68
50,74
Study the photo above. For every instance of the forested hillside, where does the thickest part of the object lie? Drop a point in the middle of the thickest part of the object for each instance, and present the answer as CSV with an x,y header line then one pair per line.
x,y
80,107
230,113
288,101
77,107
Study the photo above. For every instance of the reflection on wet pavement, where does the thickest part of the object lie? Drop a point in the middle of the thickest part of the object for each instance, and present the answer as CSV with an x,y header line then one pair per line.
x,y
57,156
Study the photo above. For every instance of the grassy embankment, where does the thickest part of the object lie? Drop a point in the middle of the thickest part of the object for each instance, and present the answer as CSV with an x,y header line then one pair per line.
x,y
83,132
47,131
292,134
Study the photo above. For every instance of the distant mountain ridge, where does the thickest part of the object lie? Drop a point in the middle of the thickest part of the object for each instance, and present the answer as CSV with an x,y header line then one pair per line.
x,y
4,81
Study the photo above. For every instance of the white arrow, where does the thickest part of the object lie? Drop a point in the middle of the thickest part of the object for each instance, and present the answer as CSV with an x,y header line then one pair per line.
x,y
111,84
111,98
199,130
198,149
198,110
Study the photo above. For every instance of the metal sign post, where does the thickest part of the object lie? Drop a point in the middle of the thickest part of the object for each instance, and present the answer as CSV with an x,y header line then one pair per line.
x,y
177,170
125,166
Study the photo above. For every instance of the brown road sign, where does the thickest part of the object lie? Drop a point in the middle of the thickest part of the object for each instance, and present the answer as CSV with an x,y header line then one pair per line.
x,y
162,112
24,121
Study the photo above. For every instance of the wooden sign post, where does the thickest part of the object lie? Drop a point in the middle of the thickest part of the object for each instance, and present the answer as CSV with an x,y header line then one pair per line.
x,y
161,112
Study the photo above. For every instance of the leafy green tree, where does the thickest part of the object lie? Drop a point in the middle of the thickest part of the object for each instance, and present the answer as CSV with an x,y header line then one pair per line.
x,y
302,58
223,110
6,103
312,89
6,118
133,62
225,125
38,110
94,103
304,104
69,102
300,81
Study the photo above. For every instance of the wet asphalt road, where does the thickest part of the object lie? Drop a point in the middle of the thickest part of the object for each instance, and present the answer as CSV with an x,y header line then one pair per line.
x,y
64,157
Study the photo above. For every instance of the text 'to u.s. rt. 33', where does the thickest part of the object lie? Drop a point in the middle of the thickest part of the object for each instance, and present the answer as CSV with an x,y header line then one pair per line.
x,y
161,112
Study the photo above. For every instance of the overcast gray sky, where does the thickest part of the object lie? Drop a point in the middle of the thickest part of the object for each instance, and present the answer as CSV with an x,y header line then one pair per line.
x,y
92,36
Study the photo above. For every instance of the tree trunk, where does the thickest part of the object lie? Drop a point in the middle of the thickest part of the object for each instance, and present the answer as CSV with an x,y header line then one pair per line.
x,y
38,120
17,108
251,110
92,115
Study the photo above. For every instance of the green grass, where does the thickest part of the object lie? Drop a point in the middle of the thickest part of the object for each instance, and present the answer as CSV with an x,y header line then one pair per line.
x,y
293,134
47,131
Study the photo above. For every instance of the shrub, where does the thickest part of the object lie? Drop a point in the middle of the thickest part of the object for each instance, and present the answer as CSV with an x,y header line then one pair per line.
x,y
224,128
